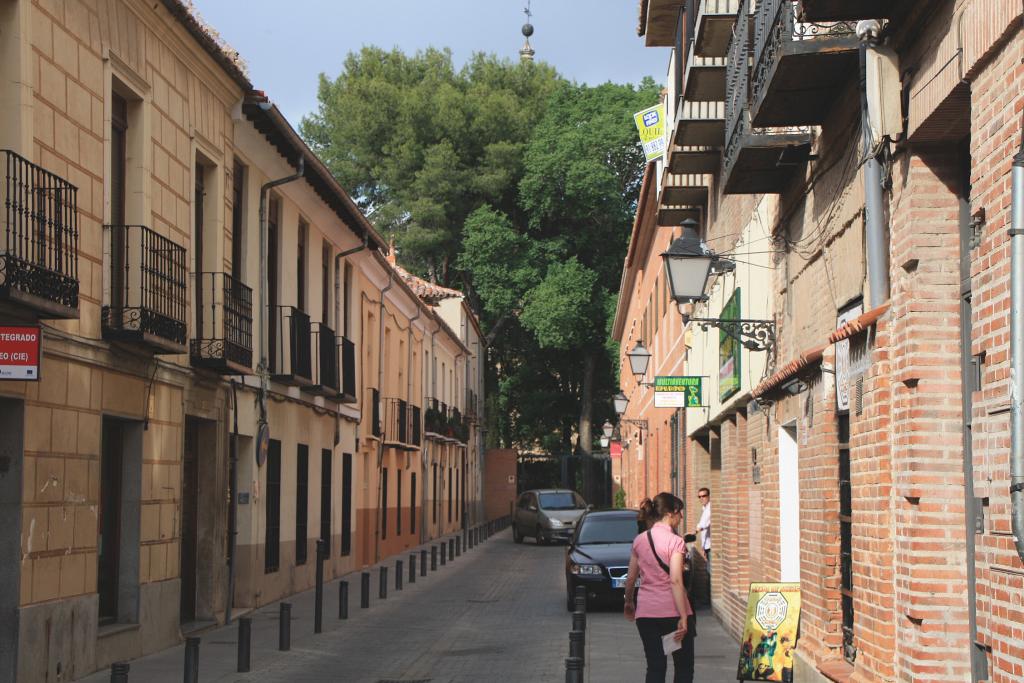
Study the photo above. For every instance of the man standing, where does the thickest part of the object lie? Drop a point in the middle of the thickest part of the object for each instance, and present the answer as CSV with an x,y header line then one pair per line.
x,y
704,526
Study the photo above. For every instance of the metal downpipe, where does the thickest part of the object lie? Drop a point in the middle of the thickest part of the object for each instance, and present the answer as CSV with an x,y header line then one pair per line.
x,y
1017,352
874,212
380,392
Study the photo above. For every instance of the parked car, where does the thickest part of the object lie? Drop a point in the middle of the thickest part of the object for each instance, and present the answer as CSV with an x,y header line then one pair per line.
x,y
547,515
598,555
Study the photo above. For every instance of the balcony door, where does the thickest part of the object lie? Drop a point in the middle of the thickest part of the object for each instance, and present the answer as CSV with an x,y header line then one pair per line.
x,y
12,423
189,520
197,249
118,195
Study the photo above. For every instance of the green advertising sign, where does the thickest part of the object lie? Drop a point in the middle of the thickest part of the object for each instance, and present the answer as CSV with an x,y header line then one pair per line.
x,y
684,391
729,351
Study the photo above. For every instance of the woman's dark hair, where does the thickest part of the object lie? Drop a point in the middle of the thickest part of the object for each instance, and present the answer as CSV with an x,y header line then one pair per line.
x,y
663,504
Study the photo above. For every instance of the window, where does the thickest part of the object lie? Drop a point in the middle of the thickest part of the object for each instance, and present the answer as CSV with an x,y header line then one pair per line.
x,y
118,159
384,503
346,504
846,536
272,539
325,499
237,220
325,283
398,503
412,503
300,266
301,503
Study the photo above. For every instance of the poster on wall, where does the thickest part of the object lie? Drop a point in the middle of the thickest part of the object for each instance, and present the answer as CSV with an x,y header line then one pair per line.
x,y
769,632
684,391
843,357
729,351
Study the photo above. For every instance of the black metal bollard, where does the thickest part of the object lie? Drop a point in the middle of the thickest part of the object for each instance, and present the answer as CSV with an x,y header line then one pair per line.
x,y
444,547
451,548
244,644
364,590
579,621
284,627
399,574
581,599
423,563
458,549
433,558
119,672
191,660
573,670
383,590
412,568
469,539
577,645
343,600
318,613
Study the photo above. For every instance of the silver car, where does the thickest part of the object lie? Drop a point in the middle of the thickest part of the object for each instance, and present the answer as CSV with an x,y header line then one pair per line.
x,y
547,515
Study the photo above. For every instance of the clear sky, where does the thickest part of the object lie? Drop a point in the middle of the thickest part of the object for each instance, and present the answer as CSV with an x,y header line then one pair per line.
x,y
288,44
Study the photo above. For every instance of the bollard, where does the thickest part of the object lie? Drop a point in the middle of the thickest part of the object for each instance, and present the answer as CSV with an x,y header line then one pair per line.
x,y
423,563
244,644
573,670
433,558
191,660
458,550
581,599
364,590
444,547
577,644
119,672
412,568
399,574
579,621
451,548
284,627
343,600
383,589
469,540
318,606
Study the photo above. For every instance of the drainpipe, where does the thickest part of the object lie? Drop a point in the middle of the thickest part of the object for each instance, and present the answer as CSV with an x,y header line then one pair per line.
x,y
427,445
380,392
408,389
264,367
874,213
233,510
1017,352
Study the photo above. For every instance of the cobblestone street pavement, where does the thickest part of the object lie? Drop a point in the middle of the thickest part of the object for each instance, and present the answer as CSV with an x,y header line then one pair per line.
x,y
497,613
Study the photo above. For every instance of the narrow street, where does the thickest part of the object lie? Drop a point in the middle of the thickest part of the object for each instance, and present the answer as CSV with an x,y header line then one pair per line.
x,y
497,613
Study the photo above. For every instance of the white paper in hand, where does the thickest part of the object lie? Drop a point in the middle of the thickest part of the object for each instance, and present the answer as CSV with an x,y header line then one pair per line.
x,y
669,643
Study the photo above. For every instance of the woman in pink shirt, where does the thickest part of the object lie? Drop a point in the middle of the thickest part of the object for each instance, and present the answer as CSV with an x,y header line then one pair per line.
x,y
662,606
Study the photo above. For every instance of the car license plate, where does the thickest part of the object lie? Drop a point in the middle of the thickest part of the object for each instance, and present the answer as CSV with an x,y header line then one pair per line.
x,y
619,583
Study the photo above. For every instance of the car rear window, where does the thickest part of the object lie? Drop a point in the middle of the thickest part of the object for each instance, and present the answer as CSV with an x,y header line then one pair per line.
x,y
607,530
558,501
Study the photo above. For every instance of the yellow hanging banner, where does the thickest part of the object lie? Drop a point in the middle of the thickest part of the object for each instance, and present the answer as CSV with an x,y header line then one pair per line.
x,y
651,124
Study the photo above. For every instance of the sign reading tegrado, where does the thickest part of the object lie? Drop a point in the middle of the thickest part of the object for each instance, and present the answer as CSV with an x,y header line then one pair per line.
x,y
651,125
20,351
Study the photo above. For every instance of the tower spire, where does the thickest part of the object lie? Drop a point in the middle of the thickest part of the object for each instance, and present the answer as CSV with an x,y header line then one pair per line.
x,y
526,52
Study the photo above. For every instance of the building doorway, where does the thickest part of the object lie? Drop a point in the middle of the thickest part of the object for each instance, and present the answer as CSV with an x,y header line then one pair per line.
x,y
119,520
789,505
12,425
189,520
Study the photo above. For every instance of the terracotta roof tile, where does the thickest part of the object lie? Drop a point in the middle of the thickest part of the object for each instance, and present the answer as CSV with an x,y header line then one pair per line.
x,y
804,360
858,324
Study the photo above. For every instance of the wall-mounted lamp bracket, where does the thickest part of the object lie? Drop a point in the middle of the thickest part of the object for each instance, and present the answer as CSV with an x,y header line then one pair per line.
x,y
755,335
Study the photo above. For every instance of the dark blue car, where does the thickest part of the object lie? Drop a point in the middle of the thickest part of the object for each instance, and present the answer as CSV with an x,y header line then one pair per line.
x,y
598,555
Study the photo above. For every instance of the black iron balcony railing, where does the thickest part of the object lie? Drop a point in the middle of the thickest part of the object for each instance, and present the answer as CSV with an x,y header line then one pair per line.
x,y
146,300
325,360
737,87
836,10
434,418
401,423
291,346
348,371
222,339
39,250
416,426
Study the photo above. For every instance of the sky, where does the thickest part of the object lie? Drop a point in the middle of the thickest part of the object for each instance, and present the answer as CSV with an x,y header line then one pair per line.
x,y
287,45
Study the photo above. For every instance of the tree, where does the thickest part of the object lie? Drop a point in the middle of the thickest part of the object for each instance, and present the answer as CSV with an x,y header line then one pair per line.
x,y
421,145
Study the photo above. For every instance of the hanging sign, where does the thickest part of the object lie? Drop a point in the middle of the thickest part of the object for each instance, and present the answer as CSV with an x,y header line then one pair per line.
x,y
651,125
843,358
729,358
769,632
684,391
20,352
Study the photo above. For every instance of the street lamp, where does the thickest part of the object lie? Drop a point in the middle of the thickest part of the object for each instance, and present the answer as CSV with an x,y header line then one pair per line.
x,y
639,358
688,265
607,429
620,402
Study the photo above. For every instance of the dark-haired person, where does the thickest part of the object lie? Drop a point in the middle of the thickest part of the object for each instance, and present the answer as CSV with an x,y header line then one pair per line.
x,y
662,606
704,526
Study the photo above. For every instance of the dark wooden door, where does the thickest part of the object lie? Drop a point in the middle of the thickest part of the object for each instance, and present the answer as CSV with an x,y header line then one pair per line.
x,y
111,468
189,520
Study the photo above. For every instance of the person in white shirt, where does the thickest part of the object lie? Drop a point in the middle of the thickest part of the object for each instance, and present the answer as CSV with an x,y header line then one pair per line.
x,y
704,526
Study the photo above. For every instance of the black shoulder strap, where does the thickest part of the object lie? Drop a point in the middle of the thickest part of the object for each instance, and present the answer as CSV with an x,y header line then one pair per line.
x,y
650,539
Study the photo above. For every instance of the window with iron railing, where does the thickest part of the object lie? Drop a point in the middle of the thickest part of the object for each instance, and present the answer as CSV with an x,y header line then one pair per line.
x,y
846,538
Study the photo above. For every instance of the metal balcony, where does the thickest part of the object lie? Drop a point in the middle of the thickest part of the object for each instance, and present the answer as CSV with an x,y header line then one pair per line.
x,y
222,339
712,27
684,190
376,428
700,124
846,10
290,346
145,303
348,371
325,361
754,161
675,215
401,424
39,251
798,67
695,159
704,79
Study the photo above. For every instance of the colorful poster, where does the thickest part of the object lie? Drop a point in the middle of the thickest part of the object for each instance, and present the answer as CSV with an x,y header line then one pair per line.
x,y
651,125
769,632
683,391
729,351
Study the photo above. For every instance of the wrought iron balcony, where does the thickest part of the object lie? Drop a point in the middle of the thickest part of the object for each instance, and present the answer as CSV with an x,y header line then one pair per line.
x,y
374,413
712,26
39,251
798,67
700,124
145,303
845,10
222,339
685,190
325,361
290,346
755,161
401,424
705,78
348,371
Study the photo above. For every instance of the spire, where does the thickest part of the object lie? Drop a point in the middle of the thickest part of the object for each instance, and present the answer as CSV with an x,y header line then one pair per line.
x,y
526,52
